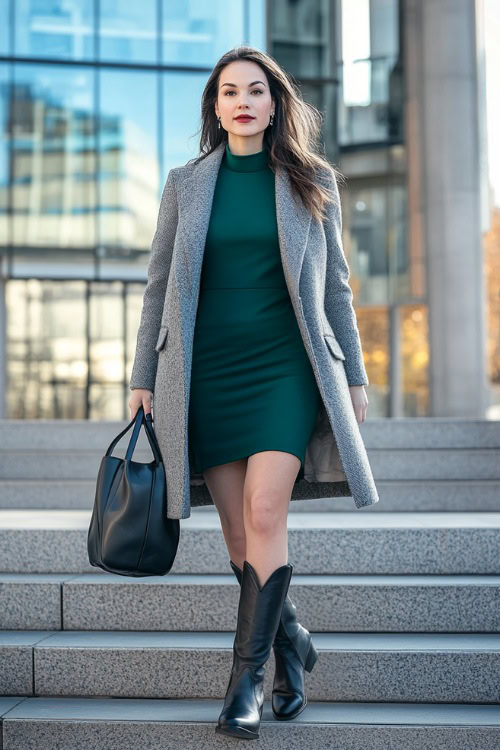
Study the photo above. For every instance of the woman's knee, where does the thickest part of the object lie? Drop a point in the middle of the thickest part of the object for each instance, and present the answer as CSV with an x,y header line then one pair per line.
x,y
264,511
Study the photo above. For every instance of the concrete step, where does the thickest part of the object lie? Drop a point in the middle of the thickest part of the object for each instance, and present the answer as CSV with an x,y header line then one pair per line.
x,y
387,667
51,541
380,433
129,724
460,604
439,495
386,464
78,723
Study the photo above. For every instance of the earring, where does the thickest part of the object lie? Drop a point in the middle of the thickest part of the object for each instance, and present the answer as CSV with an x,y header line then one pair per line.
x,y
219,122
272,119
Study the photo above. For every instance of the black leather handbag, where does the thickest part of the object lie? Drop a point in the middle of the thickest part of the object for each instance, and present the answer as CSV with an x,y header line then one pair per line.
x,y
129,531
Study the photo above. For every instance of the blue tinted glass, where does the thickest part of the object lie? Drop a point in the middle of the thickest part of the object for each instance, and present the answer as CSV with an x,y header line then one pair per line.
x,y
54,28
129,164
4,27
128,31
199,33
181,118
4,161
53,156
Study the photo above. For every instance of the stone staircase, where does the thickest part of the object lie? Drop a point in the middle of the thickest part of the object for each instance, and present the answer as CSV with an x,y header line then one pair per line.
x,y
402,598
419,464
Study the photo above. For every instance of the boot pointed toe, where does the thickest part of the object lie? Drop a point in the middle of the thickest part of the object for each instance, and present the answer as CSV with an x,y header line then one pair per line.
x,y
287,707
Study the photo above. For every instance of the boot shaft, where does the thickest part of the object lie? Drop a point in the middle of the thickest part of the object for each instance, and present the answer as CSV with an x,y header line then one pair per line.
x,y
259,612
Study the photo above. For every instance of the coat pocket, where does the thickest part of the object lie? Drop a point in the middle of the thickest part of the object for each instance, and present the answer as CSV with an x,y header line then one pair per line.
x,y
334,346
162,337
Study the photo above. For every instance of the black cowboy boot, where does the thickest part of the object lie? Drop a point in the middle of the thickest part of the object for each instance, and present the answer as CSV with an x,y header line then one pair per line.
x,y
293,652
259,612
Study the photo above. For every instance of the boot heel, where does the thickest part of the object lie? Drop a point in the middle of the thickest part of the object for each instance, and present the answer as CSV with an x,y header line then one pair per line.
x,y
312,656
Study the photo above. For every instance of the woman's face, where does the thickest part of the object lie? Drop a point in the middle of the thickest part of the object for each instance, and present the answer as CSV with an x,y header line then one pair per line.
x,y
244,89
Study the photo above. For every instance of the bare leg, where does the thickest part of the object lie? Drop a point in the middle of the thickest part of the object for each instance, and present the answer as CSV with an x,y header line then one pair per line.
x,y
225,484
267,491
252,497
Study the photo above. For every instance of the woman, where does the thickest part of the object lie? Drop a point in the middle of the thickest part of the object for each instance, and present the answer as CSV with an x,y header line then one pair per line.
x,y
247,283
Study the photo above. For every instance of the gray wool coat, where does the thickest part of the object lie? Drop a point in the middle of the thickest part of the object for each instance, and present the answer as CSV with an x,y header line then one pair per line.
x,y
316,273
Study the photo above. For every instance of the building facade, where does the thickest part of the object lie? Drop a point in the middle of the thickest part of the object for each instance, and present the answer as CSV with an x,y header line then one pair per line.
x,y
100,98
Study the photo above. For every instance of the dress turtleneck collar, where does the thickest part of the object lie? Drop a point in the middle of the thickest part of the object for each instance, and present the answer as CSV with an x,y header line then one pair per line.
x,y
246,162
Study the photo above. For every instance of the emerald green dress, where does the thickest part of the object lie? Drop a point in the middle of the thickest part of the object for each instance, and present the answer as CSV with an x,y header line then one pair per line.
x,y
252,384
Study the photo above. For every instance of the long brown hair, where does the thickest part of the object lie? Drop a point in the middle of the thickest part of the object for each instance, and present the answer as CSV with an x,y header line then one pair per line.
x,y
293,140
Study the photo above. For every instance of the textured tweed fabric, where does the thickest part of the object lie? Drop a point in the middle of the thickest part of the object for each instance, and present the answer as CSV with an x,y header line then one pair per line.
x,y
317,276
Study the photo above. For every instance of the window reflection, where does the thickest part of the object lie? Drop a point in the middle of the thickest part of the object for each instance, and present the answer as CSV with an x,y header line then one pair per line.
x,y
70,348
128,31
46,349
106,349
62,29
199,33
370,107
4,28
129,165
375,239
181,117
302,40
53,157
322,96
301,36
133,308
81,174
4,152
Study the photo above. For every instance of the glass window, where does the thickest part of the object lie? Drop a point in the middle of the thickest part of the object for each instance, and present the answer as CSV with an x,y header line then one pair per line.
x,y
301,37
53,157
71,347
375,229
182,94
199,33
374,330
129,175
323,97
46,349
397,239
302,40
106,350
128,31
4,154
54,28
384,28
406,340
5,27
415,360
371,92
133,309
364,220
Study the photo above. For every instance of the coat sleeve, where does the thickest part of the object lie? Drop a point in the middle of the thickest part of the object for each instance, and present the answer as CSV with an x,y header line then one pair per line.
x,y
338,305
146,358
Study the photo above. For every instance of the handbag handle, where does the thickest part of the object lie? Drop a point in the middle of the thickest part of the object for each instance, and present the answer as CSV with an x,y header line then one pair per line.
x,y
139,420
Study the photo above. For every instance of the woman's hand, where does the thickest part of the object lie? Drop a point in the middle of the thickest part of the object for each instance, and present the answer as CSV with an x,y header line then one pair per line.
x,y
140,397
359,401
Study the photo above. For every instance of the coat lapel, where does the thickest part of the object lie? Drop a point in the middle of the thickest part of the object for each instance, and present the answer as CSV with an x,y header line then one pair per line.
x,y
195,206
